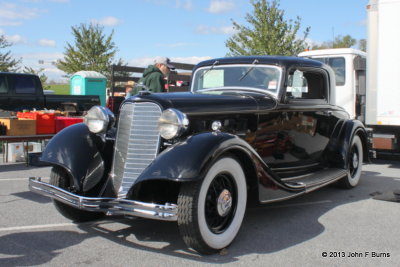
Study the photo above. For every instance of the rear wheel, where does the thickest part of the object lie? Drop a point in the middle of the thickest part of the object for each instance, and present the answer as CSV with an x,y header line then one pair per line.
x,y
211,211
354,164
59,177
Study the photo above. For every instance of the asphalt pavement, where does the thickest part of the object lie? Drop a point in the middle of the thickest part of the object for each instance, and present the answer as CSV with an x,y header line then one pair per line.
x,y
328,227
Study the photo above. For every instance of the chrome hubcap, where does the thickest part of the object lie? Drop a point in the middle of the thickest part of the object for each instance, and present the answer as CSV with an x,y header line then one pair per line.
x,y
355,160
224,203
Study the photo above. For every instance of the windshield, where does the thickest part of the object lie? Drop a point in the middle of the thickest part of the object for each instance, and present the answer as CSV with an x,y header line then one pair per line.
x,y
262,78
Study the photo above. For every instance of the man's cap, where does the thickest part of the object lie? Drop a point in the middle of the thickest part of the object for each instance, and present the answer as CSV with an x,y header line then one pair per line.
x,y
130,84
165,61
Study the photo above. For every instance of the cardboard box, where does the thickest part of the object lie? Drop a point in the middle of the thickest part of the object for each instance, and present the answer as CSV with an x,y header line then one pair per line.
x,y
17,127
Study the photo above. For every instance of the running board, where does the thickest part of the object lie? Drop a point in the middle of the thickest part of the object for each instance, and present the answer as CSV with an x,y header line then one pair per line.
x,y
316,179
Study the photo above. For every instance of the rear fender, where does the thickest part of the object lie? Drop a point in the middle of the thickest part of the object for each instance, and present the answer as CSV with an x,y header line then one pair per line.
x,y
74,149
338,148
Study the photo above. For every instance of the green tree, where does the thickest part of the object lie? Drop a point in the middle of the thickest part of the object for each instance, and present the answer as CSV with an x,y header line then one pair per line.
x,y
362,45
43,77
7,62
268,32
92,50
340,42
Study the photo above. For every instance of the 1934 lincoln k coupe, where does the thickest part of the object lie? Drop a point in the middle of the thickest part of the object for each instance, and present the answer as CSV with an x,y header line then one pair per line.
x,y
251,130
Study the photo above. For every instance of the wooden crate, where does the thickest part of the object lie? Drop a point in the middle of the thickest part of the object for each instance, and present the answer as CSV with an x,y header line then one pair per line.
x,y
17,127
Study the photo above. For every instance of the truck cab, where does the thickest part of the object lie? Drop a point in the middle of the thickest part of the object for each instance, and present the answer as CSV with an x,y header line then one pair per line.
x,y
22,91
349,66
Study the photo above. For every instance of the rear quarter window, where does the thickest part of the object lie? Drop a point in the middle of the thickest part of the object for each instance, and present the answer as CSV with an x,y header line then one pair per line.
x,y
25,85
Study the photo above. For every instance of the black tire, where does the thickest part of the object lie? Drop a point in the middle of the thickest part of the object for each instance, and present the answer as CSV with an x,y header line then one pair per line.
x,y
59,177
210,212
354,164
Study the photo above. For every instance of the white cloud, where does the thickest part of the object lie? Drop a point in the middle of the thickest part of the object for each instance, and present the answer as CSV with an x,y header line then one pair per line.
x,y
363,22
32,60
35,57
185,4
190,60
220,6
60,1
47,42
9,23
13,15
204,29
145,61
107,21
16,39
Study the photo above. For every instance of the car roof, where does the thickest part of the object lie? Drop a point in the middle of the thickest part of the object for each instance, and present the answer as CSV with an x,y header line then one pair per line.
x,y
284,61
19,74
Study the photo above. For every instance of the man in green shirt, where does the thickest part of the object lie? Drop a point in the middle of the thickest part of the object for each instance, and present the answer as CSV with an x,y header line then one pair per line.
x,y
153,75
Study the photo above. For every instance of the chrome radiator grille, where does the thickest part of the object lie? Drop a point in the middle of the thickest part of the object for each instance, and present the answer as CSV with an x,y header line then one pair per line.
x,y
136,144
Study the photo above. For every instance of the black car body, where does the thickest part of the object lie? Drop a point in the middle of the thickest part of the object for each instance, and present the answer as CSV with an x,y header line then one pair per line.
x,y
252,130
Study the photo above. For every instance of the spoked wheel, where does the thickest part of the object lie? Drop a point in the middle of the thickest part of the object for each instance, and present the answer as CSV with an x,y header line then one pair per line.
x,y
211,211
354,164
59,177
220,203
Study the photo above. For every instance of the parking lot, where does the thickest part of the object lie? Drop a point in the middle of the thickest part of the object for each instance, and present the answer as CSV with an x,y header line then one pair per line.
x,y
331,227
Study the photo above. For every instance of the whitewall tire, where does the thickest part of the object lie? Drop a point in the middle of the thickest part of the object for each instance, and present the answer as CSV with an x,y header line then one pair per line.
x,y
354,164
211,211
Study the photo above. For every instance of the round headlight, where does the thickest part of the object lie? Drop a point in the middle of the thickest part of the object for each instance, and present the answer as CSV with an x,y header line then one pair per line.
x,y
99,119
172,123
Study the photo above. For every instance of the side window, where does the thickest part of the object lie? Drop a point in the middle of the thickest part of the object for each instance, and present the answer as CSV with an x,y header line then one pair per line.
x,y
3,85
306,85
25,85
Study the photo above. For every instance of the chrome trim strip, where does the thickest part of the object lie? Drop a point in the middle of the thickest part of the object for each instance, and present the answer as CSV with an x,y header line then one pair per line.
x,y
111,206
294,168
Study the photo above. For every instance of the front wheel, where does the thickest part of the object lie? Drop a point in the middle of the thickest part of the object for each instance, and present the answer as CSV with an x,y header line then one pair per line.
x,y
354,164
59,177
211,211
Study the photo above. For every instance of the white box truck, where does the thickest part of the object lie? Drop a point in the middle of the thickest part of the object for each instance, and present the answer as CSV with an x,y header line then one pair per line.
x,y
369,90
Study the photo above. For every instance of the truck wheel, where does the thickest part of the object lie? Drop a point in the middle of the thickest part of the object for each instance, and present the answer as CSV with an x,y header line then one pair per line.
x,y
354,164
210,212
59,177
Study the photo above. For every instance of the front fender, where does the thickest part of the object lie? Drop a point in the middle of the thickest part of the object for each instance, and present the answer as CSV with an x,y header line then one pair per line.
x,y
74,149
192,156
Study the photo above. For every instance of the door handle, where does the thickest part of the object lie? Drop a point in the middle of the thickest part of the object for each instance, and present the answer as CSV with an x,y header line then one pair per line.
x,y
328,113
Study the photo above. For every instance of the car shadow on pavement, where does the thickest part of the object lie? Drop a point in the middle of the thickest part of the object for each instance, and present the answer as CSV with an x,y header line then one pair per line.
x,y
265,230
17,167
35,248
28,195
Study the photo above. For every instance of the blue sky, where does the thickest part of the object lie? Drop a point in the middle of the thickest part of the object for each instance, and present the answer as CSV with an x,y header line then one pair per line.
x,y
184,30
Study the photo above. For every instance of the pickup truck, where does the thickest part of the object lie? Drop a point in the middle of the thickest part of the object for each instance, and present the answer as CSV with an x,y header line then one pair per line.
x,y
20,91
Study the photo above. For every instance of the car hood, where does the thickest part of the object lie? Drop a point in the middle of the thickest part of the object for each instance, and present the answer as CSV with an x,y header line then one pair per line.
x,y
194,103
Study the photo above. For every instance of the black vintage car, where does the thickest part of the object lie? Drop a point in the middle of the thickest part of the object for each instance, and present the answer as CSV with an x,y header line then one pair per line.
x,y
252,130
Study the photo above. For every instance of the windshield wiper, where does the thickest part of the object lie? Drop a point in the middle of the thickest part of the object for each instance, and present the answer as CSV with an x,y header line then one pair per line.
x,y
212,66
247,72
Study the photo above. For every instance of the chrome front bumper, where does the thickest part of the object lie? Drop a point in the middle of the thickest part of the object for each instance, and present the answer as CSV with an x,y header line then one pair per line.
x,y
111,206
